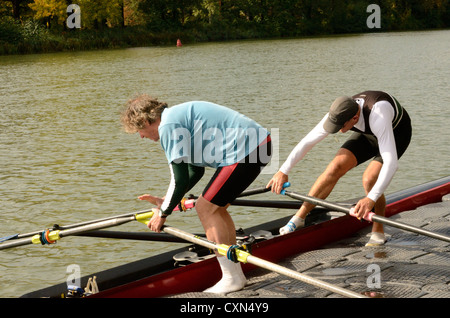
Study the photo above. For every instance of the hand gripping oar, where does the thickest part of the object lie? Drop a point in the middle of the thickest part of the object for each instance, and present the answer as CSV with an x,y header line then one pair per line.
x,y
51,236
245,257
262,190
371,217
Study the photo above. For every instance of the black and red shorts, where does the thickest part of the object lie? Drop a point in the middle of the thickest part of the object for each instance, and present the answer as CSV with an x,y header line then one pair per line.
x,y
228,182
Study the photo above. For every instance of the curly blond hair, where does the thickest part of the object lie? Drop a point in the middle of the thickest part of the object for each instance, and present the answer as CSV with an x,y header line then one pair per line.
x,y
140,110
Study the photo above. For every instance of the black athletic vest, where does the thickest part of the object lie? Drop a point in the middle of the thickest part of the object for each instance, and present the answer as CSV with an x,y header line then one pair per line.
x,y
370,98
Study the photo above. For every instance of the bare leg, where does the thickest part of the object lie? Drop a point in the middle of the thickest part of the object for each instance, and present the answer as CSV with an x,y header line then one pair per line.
x,y
217,222
219,228
339,166
370,177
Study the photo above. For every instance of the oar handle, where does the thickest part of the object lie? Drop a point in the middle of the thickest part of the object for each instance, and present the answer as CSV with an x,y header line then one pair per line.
x,y
262,190
368,216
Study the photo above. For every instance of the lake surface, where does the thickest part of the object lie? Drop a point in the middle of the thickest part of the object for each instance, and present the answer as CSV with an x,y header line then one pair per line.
x,y
65,159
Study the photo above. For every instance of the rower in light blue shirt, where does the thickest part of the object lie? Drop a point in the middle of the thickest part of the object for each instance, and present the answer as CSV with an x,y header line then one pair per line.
x,y
196,135
208,135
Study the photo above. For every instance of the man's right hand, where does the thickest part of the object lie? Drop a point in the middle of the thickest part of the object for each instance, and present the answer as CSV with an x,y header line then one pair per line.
x,y
277,182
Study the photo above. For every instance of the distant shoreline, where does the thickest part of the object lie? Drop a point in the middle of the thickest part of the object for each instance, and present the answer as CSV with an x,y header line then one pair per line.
x,y
116,38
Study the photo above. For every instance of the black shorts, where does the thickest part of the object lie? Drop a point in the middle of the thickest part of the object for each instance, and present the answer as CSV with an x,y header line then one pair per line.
x,y
228,182
365,146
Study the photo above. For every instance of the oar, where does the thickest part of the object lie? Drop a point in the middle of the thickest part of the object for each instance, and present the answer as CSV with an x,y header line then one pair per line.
x,y
138,236
260,190
245,257
51,236
277,204
371,217
75,225
188,204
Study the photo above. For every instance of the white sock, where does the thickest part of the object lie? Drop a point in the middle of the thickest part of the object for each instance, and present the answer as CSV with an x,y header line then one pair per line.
x,y
233,279
376,239
295,223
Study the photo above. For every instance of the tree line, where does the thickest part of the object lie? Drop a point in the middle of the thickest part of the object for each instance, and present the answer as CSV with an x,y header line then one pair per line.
x,y
206,20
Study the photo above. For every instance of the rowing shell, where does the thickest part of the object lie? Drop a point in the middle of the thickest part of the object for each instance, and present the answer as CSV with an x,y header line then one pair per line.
x,y
156,276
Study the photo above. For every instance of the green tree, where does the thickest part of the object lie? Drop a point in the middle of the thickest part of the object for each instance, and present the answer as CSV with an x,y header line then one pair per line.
x,y
131,13
18,6
169,14
101,13
50,11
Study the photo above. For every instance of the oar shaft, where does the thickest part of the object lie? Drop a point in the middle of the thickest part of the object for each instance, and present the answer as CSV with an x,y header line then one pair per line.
x,y
261,190
139,236
278,204
302,277
15,243
410,228
76,225
254,191
247,258
373,217
57,234
317,201
190,237
96,226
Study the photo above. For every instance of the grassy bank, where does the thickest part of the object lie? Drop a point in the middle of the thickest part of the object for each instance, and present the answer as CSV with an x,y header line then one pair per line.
x,y
32,37
39,26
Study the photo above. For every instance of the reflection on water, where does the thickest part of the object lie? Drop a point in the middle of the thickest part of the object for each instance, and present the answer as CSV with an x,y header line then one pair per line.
x,y
65,159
